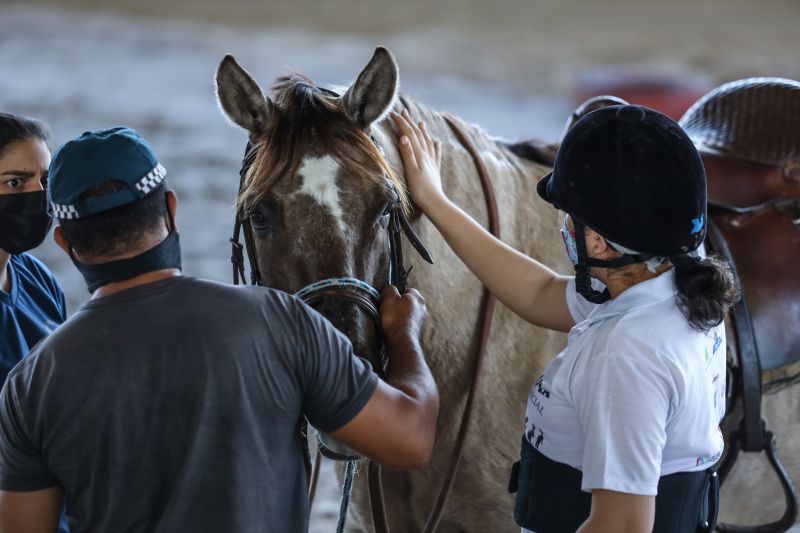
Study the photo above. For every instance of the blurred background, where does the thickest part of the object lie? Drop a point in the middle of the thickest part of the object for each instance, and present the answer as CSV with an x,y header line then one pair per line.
x,y
516,67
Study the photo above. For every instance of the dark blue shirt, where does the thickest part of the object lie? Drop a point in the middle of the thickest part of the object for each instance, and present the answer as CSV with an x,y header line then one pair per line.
x,y
34,308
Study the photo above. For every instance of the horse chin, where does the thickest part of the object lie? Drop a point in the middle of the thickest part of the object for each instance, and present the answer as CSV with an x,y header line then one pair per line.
x,y
358,328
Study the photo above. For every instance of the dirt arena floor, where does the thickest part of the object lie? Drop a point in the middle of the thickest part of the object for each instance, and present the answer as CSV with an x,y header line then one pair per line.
x,y
510,65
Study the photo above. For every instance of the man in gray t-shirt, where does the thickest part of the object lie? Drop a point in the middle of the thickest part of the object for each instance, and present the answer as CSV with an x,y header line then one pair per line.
x,y
173,404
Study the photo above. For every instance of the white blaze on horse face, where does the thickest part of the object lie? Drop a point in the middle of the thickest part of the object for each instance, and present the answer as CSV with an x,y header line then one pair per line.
x,y
319,182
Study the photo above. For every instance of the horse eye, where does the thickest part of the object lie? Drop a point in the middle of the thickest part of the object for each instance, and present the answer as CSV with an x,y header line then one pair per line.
x,y
258,220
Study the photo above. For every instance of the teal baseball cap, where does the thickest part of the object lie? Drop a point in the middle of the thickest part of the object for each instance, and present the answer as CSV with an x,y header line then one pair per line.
x,y
117,155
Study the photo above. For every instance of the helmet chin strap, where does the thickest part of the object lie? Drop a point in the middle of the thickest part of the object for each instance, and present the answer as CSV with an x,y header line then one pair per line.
x,y
583,281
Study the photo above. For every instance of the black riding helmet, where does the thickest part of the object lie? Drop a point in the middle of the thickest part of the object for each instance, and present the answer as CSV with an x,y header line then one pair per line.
x,y
634,176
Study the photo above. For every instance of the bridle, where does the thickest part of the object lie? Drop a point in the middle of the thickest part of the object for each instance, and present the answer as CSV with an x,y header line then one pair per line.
x,y
367,298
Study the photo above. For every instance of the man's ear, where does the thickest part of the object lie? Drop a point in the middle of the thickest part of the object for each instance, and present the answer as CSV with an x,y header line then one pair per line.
x,y
172,206
58,236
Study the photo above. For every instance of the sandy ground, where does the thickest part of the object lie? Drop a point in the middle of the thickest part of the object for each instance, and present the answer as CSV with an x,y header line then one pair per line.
x,y
509,65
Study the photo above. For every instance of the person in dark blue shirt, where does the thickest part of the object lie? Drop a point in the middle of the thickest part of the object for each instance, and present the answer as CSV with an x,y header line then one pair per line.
x,y
31,302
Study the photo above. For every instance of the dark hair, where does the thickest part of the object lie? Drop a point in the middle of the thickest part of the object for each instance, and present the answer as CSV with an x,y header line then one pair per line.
x,y
706,290
16,128
117,231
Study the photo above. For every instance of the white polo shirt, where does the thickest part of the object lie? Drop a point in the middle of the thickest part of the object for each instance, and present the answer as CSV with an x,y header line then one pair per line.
x,y
637,393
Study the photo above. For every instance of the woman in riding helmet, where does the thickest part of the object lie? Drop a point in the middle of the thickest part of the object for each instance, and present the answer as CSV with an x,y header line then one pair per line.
x,y
622,430
31,302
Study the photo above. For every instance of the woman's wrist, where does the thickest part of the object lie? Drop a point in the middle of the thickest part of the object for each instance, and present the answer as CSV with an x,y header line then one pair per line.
x,y
432,203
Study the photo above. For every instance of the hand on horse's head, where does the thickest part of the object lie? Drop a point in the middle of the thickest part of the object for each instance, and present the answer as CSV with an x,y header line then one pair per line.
x,y
422,159
403,316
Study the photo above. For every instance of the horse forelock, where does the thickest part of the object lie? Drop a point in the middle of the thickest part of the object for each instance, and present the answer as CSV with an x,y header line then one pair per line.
x,y
308,118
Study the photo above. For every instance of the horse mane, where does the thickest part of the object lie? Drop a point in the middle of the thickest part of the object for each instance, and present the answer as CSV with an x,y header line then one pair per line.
x,y
304,113
534,150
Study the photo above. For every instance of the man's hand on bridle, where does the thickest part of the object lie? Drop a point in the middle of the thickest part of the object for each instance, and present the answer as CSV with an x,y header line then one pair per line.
x,y
403,316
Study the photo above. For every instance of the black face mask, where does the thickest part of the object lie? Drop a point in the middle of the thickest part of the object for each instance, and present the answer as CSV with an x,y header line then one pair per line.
x,y
24,221
166,254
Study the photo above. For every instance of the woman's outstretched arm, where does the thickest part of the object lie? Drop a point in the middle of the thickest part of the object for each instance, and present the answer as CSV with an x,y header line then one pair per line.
x,y
527,287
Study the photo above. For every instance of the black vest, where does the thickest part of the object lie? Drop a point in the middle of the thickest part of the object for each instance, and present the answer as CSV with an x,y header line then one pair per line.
x,y
550,500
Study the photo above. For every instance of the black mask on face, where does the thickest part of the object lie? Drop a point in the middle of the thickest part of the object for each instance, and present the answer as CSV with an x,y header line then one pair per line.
x,y
166,254
24,221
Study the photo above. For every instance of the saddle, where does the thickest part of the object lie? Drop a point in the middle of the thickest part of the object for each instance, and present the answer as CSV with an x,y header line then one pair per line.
x,y
748,134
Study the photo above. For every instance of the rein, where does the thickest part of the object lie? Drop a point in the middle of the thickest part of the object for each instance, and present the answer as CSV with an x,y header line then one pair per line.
x,y
367,299
486,316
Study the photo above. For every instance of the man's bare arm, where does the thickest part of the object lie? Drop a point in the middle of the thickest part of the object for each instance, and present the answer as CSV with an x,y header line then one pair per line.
x,y
30,512
397,427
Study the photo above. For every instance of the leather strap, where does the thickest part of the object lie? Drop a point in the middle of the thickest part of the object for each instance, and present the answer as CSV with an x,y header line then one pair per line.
x,y
237,254
752,434
486,315
376,502
314,471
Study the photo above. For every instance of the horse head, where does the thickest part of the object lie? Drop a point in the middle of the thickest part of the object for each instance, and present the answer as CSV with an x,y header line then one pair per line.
x,y
317,193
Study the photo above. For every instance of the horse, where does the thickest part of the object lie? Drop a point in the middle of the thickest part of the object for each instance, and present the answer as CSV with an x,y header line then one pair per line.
x,y
325,168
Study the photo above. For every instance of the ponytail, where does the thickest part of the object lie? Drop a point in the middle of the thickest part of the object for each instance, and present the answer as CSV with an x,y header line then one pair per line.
x,y
706,290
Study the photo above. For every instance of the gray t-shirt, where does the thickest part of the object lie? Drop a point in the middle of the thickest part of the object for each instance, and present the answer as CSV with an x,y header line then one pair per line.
x,y
176,406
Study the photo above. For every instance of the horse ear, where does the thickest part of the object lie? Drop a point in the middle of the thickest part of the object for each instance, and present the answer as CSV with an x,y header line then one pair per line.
x,y
241,98
373,94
